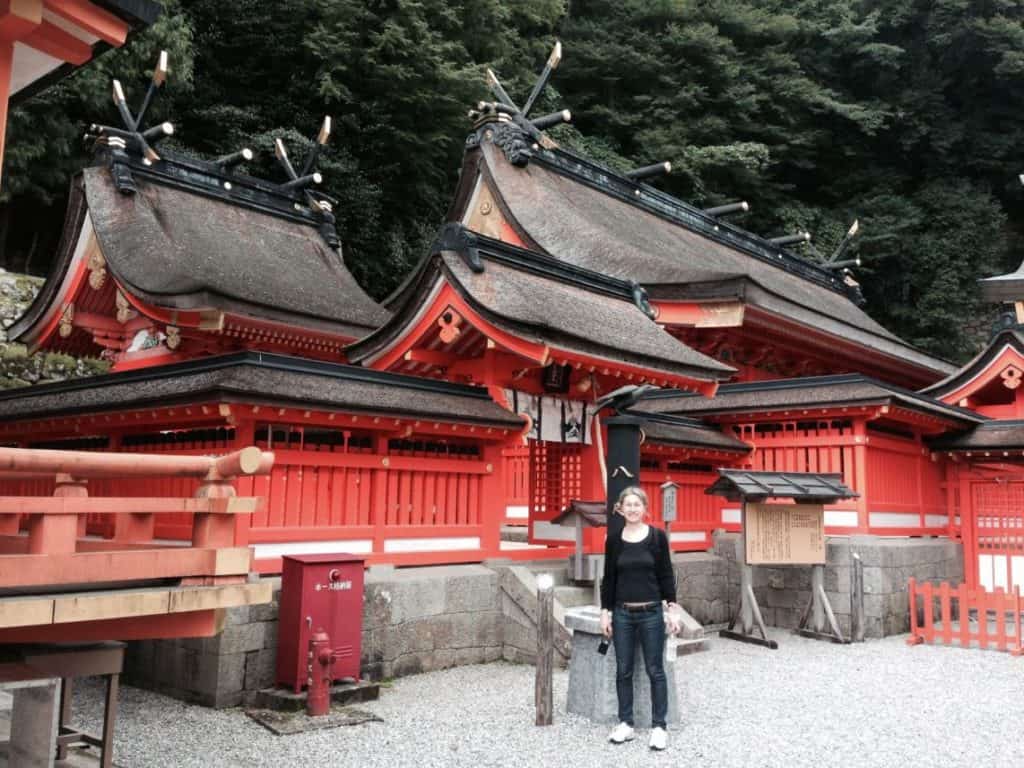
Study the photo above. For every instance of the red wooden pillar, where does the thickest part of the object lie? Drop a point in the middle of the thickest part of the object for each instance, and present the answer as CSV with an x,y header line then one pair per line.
x,y
126,527
56,534
860,474
213,530
379,498
245,435
922,458
6,65
968,529
593,485
133,527
492,499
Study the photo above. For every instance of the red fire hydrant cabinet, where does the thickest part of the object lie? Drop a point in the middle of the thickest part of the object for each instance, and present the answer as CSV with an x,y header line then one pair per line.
x,y
319,593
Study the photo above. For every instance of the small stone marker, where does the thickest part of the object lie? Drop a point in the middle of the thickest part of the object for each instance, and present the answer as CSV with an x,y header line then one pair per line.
x,y
592,676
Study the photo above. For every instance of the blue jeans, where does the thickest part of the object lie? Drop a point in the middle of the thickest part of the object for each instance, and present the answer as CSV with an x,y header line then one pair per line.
x,y
647,628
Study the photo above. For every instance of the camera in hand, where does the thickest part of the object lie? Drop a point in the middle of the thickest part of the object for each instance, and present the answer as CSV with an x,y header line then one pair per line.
x,y
602,648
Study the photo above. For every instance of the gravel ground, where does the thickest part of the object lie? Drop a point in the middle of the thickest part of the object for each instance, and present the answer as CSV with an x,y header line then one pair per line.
x,y
880,703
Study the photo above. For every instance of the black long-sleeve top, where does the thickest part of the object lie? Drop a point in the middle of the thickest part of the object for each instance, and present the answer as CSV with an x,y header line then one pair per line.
x,y
663,571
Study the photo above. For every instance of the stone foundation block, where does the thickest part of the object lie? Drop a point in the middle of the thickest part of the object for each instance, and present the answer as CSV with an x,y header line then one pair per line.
x,y
592,675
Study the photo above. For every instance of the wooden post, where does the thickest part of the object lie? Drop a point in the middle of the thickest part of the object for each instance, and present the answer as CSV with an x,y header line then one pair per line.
x,y
915,637
209,530
545,648
6,66
245,435
748,615
379,499
492,500
860,474
857,628
56,534
967,530
946,612
1017,648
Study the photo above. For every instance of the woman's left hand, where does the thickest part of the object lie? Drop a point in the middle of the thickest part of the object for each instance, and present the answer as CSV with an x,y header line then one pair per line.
x,y
673,619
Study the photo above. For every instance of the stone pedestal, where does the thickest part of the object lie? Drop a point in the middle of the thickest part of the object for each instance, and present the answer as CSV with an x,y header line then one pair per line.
x,y
592,676
33,724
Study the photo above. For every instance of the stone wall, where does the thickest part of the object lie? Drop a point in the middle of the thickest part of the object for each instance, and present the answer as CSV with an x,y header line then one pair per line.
x,y
783,593
421,619
212,671
703,586
414,620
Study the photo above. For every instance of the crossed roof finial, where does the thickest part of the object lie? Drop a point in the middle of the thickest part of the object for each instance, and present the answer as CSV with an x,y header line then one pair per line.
x,y
133,138
505,108
306,179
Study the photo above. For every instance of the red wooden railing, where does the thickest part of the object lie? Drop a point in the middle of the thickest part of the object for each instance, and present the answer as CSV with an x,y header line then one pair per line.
x,y
53,550
410,503
403,501
1006,610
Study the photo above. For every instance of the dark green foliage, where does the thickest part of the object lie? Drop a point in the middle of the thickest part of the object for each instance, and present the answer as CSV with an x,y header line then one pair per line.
x,y
905,115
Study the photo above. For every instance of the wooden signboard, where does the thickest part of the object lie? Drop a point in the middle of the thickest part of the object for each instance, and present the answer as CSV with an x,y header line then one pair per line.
x,y
784,534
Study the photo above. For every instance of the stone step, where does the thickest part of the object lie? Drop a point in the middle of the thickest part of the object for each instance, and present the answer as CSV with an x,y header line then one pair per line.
x,y
558,571
519,604
517,533
686,647
571,597
691,628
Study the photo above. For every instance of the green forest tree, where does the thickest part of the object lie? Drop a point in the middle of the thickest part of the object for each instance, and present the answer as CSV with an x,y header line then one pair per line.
x,y
901,114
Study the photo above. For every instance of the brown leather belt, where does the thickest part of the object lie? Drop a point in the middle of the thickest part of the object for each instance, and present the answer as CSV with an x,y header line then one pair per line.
x,y
638,607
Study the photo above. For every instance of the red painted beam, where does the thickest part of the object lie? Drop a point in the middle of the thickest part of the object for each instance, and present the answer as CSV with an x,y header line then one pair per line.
x,y
95,464
6,67
53,41
94,20
97,567
97,505
19,18
164,626
717,314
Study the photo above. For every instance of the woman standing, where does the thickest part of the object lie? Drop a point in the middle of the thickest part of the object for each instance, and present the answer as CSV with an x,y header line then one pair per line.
x,y
638,581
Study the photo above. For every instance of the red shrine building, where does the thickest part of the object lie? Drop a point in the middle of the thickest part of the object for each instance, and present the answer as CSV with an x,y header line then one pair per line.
x,y
412,430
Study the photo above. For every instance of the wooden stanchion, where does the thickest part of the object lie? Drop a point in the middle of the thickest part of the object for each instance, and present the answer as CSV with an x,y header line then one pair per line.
x,y
1017,648
545,648
915,636
857,623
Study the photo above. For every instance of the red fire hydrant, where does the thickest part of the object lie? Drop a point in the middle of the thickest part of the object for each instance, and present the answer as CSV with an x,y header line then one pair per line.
x,y
321,656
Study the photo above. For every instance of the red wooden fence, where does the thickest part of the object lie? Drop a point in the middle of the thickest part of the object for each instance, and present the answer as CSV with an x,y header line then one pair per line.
x,y
1006,610
993,533
698,514
901,488
515,472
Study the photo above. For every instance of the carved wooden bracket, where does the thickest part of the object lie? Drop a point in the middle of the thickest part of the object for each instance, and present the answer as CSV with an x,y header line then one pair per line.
x,y
449,322
124,309
97,270
67,321
1011,376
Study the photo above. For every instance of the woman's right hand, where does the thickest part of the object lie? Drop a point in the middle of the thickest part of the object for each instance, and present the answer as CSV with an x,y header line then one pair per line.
x,y
606,623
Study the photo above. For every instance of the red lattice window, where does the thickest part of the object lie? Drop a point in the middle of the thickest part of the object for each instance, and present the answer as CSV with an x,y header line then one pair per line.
x,y
556,477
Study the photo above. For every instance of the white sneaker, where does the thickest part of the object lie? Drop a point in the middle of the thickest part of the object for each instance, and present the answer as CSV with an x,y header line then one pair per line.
x,y
621,732
659,739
